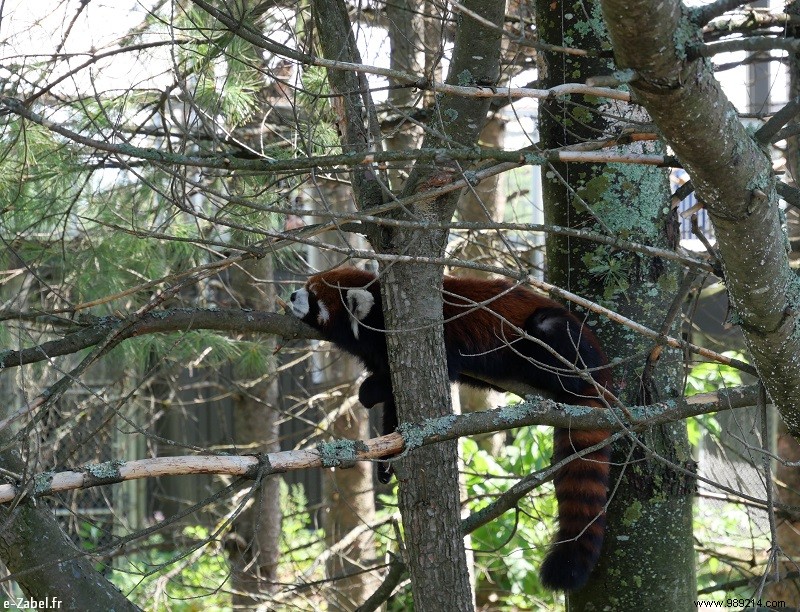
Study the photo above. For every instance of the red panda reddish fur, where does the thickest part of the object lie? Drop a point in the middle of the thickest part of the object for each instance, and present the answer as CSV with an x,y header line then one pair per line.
x,y
487,331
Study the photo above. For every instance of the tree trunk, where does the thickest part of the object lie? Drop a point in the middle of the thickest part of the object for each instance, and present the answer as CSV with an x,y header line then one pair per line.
x,y
350,498
254,545
429,488
348,493
484,203
44,562
649,531
429,498
34,549
733,178
787,477
406,37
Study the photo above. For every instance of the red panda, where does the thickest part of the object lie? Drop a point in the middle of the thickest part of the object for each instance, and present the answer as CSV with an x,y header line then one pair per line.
x,y
493,331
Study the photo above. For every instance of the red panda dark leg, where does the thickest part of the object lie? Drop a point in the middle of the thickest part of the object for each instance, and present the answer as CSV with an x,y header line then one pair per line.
x,y
375,390
581,492
389,425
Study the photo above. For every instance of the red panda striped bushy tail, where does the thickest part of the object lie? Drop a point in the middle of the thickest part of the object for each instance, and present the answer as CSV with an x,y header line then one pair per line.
x,y
581,491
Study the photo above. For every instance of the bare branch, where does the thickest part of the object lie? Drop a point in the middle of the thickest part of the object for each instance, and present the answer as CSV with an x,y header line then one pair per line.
x,y
704,14
163,321
344,452
355,159
754,43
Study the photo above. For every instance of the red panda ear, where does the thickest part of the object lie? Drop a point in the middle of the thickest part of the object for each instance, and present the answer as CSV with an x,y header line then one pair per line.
x,y
359,303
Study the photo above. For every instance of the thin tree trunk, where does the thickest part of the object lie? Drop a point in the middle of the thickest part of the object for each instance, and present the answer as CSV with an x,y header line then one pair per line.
x,y
787,477
350,498
429,497
429,488
254,546
348,493
406,37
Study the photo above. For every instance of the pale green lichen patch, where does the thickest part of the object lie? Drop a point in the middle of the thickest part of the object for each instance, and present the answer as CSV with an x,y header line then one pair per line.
x,y
686,34
415,435
531,406
575,411
465,78
625,199
42,482
632,514
534,160
107,469
340,452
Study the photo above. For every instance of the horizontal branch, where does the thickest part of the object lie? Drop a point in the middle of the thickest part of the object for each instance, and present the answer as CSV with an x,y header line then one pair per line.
x,y
162,321
341,453
755,43
525,156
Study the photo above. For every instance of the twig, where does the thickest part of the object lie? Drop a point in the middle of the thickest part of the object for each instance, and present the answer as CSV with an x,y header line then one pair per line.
x,y
766,462
397,569
788,193
702,15
645,331
712,252
756,43
647,385
765,133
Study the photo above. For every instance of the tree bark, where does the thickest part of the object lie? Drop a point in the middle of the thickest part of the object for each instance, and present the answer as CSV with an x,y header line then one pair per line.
x,y
429,497
254,544
350,498
429,488
44,562
649,531
786,479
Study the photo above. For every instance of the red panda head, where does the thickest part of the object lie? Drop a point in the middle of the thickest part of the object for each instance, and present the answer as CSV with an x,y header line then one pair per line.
x,y
331,298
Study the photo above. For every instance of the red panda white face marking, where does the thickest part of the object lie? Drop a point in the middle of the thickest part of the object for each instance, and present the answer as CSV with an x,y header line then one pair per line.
x,y
324,315
306,302
301,306
299,303
359,303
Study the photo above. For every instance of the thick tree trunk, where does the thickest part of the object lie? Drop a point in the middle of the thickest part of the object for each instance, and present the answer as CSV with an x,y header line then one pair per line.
x,y
733,178
649,531
43,561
